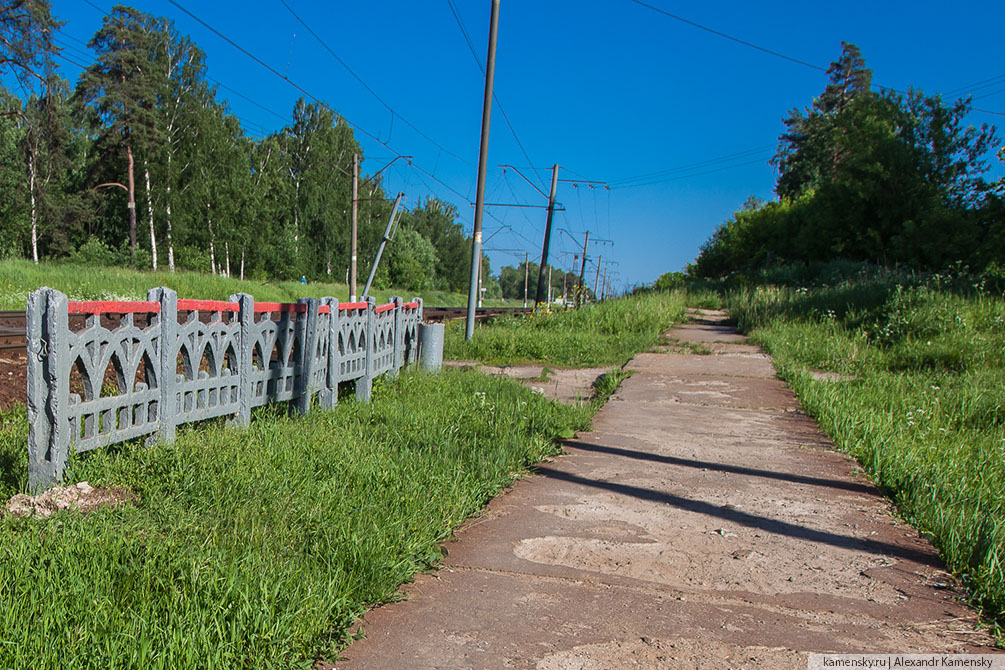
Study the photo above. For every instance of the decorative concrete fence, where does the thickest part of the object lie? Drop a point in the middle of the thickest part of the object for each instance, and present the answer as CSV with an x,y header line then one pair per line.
x,y
143,368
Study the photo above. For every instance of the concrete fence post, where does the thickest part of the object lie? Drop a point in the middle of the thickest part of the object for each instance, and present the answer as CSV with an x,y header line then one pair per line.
x,y
328,395
307,331
167,366
58,326
418,324
364,385
397,337
245,356
41,471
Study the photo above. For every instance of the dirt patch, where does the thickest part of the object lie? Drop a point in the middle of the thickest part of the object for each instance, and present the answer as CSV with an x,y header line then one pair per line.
x,y
80,497
13,378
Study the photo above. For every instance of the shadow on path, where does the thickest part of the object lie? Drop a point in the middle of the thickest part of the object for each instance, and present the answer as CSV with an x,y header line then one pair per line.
x,y
750,520
722,467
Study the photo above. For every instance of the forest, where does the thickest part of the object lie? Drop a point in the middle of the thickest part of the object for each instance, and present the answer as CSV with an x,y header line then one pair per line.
x,y
140,163
880,177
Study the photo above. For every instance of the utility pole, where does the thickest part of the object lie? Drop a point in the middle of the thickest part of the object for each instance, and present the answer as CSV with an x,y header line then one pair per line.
x,y
603,295
582,272
526,277
549,286
547,237
355,224
483,151
596,282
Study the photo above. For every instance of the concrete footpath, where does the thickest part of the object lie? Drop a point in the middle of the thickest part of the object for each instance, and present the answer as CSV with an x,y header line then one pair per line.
x,y
705,523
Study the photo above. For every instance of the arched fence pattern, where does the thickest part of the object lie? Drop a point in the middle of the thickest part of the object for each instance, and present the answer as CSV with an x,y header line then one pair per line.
x,y
134,369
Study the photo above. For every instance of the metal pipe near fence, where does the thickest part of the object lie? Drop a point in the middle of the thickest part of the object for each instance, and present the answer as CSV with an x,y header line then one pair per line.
x,y
153,371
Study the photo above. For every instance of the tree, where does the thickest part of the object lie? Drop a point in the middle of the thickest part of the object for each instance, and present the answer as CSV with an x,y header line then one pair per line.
x,y
27,29
813,146
121,87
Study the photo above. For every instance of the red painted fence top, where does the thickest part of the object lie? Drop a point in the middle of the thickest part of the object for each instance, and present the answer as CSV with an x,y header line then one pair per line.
x,y
112,307
280,307
184,305
207,306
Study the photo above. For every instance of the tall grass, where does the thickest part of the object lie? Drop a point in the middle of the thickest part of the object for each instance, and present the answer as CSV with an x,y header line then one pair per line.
x,y
86,282
607,333
925,410
257,549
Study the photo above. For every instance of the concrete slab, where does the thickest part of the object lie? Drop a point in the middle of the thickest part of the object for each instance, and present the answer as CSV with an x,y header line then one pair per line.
x,y
679,533
699,332
733,364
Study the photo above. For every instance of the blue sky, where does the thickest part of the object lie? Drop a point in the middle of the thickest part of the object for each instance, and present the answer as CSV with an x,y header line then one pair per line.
x,y
608,89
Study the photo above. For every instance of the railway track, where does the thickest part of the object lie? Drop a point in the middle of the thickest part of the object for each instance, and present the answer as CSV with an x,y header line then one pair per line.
x,y
11,329
12,321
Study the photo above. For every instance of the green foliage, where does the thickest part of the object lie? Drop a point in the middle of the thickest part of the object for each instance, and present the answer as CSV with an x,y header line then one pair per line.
x,y
208,197
922,409
605,333
258,549
887,179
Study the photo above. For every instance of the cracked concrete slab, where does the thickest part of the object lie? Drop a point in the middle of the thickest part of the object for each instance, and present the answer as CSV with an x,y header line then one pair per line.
x,y
705,522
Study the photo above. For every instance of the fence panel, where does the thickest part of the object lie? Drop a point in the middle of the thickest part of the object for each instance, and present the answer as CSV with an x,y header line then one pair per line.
x,y
143,368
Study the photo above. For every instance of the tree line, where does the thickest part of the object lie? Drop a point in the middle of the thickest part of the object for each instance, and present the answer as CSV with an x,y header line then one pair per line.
x,y
884,177
139,162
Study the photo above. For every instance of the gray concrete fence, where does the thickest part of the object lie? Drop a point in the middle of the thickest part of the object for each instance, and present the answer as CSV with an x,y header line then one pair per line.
x,y
143,368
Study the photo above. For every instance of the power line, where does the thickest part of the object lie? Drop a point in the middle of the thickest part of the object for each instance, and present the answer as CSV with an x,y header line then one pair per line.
x,y
691,166
370,90
976,86
481,68
688,176
277,73
988,95
253,102
70,60
727,36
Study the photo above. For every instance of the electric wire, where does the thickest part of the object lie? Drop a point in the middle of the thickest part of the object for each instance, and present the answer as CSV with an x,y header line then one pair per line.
x,y
481,68
727,36
691,166
688,176
371,91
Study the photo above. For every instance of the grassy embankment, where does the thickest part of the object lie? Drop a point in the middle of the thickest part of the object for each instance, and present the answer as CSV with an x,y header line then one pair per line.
x,y
259,548
607,333
922,406
82,282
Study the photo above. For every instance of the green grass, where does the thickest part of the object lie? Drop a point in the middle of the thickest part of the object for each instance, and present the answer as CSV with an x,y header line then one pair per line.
x,y
83,282
925,412
258,548
608,333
